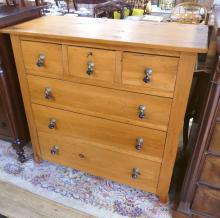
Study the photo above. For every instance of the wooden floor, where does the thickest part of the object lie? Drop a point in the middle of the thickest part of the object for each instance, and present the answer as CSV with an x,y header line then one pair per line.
x,y
19,203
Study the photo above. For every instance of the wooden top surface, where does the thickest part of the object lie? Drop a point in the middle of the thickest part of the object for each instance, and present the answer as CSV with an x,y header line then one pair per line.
x,y
168,36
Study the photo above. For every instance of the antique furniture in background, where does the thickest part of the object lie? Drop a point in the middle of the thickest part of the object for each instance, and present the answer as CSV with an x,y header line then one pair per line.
x,y
105,101
108,8
189,12
13,124
200,161
166,4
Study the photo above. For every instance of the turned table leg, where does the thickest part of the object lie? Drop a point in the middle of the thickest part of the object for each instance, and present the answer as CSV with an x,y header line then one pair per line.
x,y
18,146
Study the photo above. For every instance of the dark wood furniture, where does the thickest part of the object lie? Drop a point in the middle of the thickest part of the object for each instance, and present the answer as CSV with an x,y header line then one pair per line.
x,y
108,8
200,190
13,124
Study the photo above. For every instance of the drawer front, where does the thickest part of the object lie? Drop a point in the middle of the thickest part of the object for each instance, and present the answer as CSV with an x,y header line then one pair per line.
x,y
138,67
215,142
43,59
211,171
81,61
207,201
100,162
103,102
109,134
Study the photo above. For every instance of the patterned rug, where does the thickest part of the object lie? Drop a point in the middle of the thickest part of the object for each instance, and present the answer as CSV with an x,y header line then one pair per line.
x,y
78,190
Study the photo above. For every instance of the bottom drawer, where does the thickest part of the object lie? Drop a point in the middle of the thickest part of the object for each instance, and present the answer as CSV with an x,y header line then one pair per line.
x,y
207,201
98,161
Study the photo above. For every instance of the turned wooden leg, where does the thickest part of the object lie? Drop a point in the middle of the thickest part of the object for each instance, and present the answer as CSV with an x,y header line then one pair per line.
x,y
75,4
18,146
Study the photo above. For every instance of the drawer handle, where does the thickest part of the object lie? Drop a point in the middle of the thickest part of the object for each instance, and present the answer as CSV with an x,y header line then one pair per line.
x,y
142,110
135,173
52,123
139,143
48,93
148,73
82,156
54,150
90,67
41,60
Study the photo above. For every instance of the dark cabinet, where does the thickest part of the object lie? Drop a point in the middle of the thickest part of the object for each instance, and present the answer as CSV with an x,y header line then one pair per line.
x,y
13,124
200,188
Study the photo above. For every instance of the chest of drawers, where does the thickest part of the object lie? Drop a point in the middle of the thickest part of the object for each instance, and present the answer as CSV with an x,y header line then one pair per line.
x,y
107,97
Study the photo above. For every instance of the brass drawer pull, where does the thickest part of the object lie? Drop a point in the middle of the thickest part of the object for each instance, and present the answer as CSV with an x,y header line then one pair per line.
x,y
90,67
90,64
148,73
139,143
48,93
142,110
52,123
135,173
41,60
54,150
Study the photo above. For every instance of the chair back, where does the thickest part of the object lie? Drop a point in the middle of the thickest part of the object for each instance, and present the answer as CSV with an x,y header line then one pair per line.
x,y
141,4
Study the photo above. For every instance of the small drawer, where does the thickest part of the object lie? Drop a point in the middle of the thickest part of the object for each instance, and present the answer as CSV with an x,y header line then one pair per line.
x,y
207,201
138,109
43,59
83,156
149,71
211,171
129,139
215,142
90,63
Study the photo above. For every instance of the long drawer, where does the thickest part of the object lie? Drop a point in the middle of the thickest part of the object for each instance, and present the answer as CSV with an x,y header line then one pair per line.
x,y
82,155
129,139
102,102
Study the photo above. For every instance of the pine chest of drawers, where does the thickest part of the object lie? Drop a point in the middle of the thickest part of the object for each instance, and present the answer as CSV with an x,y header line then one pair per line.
x,y
105,96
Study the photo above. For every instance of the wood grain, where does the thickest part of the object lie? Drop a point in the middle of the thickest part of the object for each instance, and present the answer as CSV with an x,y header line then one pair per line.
x,y
164,71
93,100
215,143
89,158
117,47
211,171
16,45
107,134
19,203
104,61
191,38
183,83
207,201
53,58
